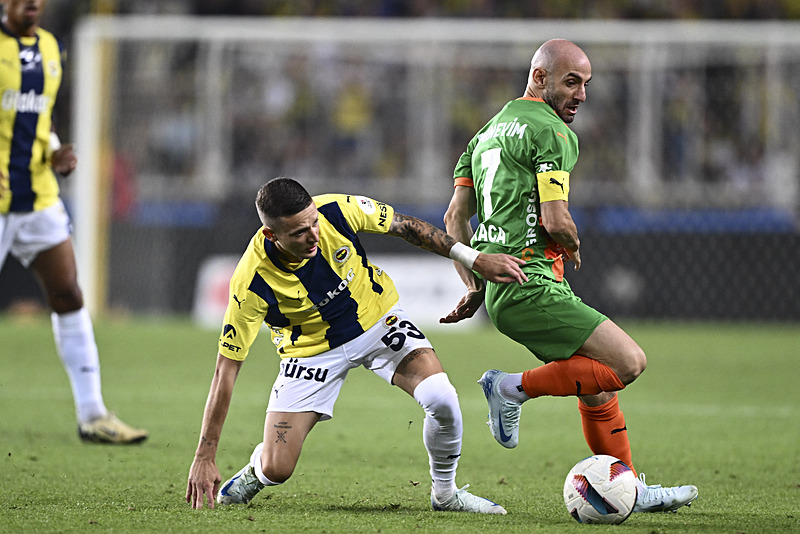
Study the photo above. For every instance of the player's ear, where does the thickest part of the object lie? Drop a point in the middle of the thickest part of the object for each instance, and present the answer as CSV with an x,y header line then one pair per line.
x,y
269,234
539,76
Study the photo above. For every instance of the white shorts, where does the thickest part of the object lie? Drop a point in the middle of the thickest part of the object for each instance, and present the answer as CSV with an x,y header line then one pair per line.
x,y
27,234
312,384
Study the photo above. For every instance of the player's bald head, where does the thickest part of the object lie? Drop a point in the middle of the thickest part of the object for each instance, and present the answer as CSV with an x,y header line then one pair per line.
x,y
559,73
555,53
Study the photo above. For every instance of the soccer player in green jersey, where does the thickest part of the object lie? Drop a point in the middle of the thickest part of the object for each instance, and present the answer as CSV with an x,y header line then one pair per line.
x,y
329,309
34,226
515,175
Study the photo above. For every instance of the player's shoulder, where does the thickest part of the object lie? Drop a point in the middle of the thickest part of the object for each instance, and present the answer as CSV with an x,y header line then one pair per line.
x,y
334,204
554,131
51,47
47,35
348,203
330,198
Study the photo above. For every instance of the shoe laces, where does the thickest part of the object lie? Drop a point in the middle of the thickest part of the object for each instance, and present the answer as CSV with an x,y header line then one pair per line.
x,y
511,410
461,491
457,499
652,492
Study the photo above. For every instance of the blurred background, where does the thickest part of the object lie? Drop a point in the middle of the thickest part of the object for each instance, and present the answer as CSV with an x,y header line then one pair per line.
x,y
685,194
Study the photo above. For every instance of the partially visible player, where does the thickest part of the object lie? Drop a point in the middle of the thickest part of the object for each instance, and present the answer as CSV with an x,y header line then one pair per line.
x,y
34,227
515,175
329,309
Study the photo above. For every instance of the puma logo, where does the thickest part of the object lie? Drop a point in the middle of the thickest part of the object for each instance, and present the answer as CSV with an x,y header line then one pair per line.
x,y
559,184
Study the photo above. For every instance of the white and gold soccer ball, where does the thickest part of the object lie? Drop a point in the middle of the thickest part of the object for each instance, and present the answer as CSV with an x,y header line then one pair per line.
x,y
600,489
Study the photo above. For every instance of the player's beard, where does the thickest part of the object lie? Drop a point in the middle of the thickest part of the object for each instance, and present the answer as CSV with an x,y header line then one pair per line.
x,y
558,103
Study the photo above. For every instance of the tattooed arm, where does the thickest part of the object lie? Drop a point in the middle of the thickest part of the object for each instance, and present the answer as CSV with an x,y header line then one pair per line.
x,y
495,267
204,477
421,234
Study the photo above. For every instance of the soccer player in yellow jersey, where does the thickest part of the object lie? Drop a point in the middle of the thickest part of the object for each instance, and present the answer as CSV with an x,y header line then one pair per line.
x,y
515,175
34,226
329,309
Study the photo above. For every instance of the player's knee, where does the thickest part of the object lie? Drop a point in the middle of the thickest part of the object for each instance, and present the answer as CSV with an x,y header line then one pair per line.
x,y
65,301
632,365
278,474
439,399
446,411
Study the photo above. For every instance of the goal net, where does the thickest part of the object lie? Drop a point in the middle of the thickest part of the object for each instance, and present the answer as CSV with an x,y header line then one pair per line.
x,y
689,137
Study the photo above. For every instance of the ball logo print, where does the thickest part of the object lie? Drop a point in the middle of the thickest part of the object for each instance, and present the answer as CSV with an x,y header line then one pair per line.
x,y
600,489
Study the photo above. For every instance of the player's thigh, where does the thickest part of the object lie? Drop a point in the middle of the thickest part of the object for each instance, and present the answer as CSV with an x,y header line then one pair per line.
x,y
397,351
543,315
611,345
42,242
284,435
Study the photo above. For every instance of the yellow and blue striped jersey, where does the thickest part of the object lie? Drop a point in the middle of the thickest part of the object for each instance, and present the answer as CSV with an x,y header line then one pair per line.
x,y
30,75
320,303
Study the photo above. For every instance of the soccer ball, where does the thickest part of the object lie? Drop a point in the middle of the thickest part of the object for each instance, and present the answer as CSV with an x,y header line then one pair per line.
x,y
600,489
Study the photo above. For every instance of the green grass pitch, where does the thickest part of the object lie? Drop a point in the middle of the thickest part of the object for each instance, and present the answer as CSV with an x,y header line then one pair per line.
x,y
717,407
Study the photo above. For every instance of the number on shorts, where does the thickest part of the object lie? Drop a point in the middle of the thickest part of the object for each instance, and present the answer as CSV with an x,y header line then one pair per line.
x,y
395,338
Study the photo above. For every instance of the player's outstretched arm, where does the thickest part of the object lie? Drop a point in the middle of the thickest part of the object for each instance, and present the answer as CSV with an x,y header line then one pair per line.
x,y
500,268
204,477
457,222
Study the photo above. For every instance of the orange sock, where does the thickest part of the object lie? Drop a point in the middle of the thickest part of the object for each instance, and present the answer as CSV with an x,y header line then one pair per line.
x,y
605,430
578,375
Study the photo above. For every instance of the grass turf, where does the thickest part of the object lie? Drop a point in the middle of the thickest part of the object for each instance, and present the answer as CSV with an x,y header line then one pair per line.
x,y
717,407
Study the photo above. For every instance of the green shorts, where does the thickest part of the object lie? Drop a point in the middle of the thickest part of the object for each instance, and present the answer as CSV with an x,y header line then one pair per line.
x,y
544,315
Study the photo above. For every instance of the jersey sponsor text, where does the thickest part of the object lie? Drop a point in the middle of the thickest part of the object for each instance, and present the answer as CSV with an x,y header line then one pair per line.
x,y
490,233
291,368
29,102
335,292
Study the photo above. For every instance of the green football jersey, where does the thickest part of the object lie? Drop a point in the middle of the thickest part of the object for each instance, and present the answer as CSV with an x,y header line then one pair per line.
x,y
522,157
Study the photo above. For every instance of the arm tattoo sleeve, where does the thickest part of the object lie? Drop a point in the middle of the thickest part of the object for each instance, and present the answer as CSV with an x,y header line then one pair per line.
x,y
421,234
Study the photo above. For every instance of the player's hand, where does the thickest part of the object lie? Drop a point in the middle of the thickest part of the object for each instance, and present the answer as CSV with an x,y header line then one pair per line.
x,y
500,268
64,160
576,259
575,256
204,481
466,307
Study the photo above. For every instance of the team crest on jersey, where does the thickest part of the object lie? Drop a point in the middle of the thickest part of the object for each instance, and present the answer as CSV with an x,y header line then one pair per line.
x,y
390,321
366,205
52,67
341,255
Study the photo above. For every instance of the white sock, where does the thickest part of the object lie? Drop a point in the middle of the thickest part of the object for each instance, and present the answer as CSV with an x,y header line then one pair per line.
x,y
255,461
75,344
441,431
511,388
